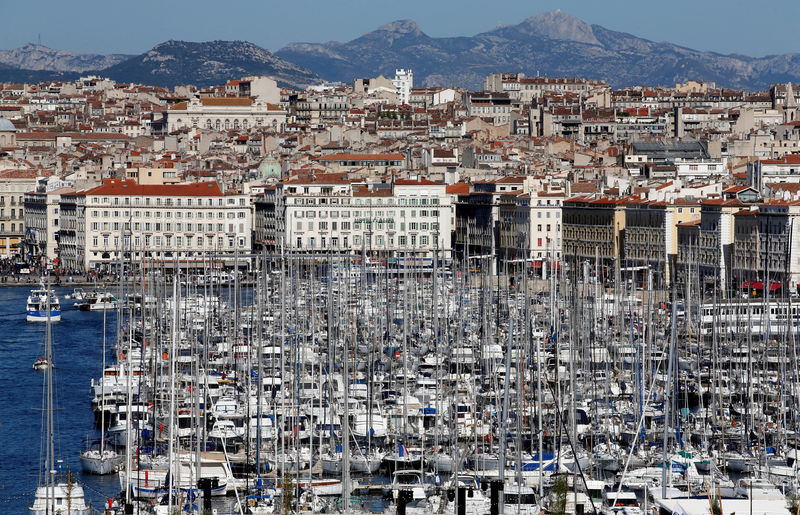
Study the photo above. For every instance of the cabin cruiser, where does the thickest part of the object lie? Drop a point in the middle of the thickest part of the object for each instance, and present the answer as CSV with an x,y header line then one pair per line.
x,y
97,301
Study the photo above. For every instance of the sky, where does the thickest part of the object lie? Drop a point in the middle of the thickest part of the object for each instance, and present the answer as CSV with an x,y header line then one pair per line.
x,y
133,27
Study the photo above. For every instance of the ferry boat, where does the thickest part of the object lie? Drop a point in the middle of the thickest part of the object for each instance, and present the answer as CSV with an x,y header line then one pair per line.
x,y
38,303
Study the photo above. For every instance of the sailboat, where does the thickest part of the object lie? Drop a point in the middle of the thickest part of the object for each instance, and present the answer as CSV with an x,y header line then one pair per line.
x,y
100,459
58,492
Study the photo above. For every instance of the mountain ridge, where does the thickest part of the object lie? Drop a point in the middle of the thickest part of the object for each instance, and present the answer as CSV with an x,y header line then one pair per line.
x,y
552,43
32,56
175,62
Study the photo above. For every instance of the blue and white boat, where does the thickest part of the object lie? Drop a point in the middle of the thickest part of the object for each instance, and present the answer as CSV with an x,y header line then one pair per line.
x,y
38,304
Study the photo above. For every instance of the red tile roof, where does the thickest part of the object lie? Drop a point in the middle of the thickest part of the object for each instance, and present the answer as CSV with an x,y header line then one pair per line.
x,y
129,187
418,182
360,157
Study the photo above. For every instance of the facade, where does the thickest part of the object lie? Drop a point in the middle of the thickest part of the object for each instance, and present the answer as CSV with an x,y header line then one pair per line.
x,y
330,213
649,233
476,232
496,106
269,223
224,114
72,230
322,109
376,164
42,219
764,171
13,186
593,227
404,83
514,219
545,223
164,222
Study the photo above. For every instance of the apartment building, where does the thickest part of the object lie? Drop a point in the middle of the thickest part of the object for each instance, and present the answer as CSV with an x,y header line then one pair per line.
x,y
165,222
404,83
545,223
375,164
13,186
329,212
763,171
593,227
495,106
42,220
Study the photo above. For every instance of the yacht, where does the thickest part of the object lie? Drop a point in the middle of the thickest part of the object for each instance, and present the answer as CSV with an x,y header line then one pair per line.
x,y
97,301
38,303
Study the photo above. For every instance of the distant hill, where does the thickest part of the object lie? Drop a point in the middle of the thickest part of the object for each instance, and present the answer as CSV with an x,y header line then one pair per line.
x,y
9,73
553,44
203,64
38,57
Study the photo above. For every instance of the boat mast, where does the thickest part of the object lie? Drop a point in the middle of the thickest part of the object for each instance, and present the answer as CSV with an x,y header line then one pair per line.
x,y
173,347
49,462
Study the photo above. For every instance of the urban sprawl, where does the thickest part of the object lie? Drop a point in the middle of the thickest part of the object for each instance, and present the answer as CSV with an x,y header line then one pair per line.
x,y
530,168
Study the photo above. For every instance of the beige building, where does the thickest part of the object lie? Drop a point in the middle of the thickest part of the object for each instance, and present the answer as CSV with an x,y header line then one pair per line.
x,y
593,227
146,175
13,186
7,133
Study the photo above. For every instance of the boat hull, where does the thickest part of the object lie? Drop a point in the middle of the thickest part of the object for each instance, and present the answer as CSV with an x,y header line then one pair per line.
x,y
95,463
41,316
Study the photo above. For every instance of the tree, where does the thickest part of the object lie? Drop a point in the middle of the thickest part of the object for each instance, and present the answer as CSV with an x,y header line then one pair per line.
x,y
558,495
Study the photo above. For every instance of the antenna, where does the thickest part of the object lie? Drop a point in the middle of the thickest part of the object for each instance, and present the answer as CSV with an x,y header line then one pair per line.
x,y
39,40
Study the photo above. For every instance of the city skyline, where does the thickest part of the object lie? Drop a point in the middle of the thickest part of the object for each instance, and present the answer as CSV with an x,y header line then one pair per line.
x,y
94,28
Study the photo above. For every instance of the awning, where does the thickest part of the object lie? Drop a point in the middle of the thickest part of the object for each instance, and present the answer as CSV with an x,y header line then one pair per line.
x,y
759,285
746,284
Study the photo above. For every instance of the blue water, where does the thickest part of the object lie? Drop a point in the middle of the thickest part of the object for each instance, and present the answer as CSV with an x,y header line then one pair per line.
x,y
77,349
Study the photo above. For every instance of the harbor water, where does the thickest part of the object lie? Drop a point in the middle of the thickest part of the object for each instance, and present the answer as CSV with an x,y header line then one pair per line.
x,y
77,348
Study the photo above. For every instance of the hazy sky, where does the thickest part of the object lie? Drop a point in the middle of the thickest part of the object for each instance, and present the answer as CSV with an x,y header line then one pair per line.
x,y
103,26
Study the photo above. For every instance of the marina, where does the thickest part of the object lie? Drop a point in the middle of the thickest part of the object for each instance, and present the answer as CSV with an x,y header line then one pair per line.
x,y
336,384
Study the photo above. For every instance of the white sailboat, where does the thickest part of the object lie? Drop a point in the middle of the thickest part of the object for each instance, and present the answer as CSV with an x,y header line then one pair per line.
x,y
101,460
58,493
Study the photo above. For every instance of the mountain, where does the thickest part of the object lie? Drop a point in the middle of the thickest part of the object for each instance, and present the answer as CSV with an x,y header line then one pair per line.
x,y
38,57
174,63
9,73
553,44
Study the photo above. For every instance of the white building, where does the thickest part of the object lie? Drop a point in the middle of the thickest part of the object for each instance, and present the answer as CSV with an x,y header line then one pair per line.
x,y
184,221
404,82
545,223
764,171
329,212
224,114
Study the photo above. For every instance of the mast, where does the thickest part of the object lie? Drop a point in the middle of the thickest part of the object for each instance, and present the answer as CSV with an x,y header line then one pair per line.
x,y
668,398
173,347
49,462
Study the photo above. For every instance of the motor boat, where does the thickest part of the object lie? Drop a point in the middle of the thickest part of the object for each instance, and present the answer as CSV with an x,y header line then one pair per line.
x,y
38,303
